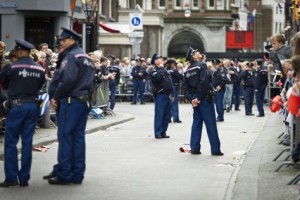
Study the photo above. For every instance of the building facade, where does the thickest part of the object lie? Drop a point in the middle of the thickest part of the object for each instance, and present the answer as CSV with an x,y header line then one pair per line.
x,y
169,27
168,30
36,21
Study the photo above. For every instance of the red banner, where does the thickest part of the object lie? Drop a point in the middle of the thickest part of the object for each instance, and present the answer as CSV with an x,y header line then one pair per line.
x,y
239,40
72,6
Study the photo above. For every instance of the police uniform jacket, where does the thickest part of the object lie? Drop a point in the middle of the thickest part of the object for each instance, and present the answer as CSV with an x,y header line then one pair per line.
x,y
75,75
115,69
219,77
261,77
196,81
161,81
175,75
23,79
248,79
139,73
236,76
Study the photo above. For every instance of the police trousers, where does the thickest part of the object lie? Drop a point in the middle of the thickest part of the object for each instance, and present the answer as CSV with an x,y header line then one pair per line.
x,y
219,103
205,112
249,98
72,118
162,114
260,97
21,121
175,107
138,86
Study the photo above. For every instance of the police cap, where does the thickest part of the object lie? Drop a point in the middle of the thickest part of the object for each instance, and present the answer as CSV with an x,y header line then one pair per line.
x,y
23,45
67,33
154,57
235,60
259,61
189,54
111,56
216,61
170,61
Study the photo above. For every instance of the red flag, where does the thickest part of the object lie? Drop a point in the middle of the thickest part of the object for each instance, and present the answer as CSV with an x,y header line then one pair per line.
x,y
72,6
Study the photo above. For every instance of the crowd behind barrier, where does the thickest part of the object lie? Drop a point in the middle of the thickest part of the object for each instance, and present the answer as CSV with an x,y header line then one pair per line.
x,y
279,70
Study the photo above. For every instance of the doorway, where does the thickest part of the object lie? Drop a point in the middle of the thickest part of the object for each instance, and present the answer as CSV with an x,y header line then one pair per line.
x,y
39,30
182,41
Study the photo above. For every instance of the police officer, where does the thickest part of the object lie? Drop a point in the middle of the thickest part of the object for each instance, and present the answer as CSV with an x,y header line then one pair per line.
x,y
163,96
197,88
219,81
113,83
236,84
139,76
171,65
261,82
71,89
248,82
22,80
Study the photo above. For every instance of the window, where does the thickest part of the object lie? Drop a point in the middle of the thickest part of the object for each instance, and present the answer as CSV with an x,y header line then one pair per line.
x,y
210,4
162,3
177,4
195,4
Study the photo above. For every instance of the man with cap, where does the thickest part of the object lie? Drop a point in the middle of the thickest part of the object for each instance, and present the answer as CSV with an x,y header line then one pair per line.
x,y
22,81
197,88
260,84
70,92
139,75
248,79
163,96
219,80
171,65
113,83
236,84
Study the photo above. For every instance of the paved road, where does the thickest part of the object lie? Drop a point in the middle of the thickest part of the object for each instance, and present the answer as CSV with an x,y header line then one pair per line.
x,y
126,162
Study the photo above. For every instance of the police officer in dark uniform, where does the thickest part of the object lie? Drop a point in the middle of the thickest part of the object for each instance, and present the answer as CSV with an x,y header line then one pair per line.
x,y
71,89
219,81
260,84
197,90
171,65
247,76
236,84
22,81
163,96
139,75
113,83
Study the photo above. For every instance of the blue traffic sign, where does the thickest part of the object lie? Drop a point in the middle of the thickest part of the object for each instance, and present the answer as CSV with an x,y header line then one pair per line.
x,y
135,21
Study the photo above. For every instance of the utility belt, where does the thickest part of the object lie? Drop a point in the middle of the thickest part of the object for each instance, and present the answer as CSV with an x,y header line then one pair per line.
x,y
209,93
21,101
162,91
82,99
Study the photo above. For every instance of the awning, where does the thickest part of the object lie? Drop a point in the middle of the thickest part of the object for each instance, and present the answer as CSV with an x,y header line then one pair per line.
x,y
107,28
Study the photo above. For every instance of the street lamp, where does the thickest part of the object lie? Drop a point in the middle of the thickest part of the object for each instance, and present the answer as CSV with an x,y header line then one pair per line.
x,y
90,8
187,13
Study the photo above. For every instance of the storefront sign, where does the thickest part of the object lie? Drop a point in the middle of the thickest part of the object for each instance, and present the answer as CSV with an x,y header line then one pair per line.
x,y
239,40
8,5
